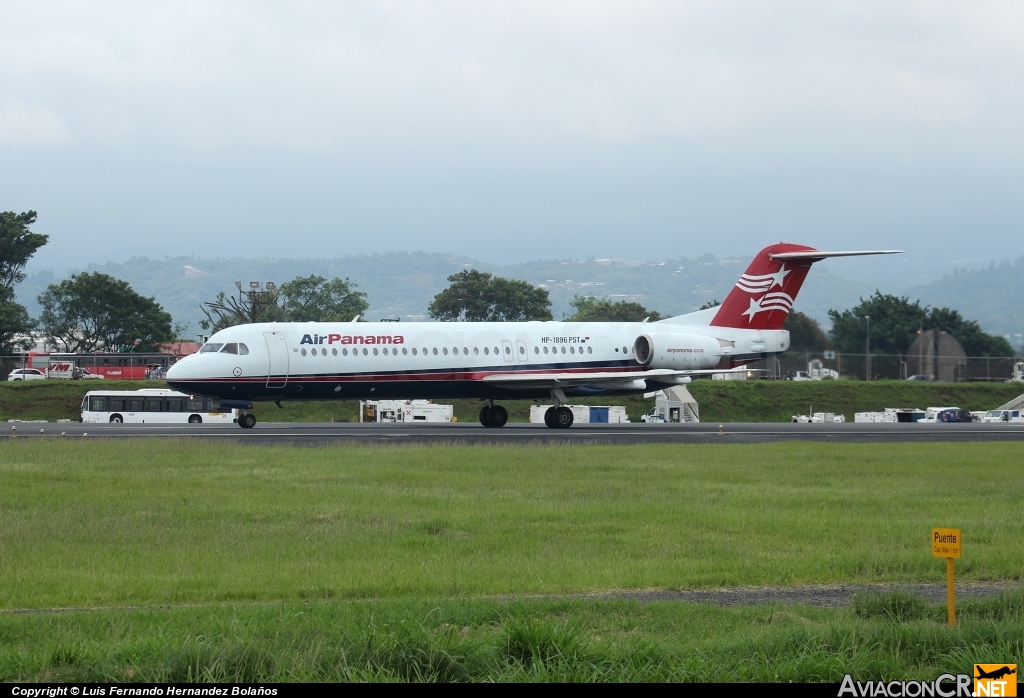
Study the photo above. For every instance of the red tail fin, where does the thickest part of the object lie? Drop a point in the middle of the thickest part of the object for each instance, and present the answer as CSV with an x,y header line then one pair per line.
x,y
764,295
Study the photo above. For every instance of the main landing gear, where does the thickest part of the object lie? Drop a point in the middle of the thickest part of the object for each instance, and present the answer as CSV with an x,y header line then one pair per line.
x,y
493,415
247,421
558,417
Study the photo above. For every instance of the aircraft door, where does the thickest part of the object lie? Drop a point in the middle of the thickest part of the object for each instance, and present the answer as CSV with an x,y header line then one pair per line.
x,y
277,371
507,352
522,352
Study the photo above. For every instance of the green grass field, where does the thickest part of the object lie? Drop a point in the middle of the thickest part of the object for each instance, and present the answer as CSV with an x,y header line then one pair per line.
x,y
159,521
445,563
888,637
720,401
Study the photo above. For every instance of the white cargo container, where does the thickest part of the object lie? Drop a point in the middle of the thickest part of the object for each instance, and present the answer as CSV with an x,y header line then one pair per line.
x,y
394,411
585,414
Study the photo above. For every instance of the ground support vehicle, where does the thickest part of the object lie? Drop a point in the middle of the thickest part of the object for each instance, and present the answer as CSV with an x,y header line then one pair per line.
x,y
585,414
152,406
404,411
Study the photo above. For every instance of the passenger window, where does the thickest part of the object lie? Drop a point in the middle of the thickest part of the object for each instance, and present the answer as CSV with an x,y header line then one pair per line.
x,y
414,351
405,351
231,348
153,405
242,349
435,351
590,350
624,350
476,350
303,352
115,405
375,351
444,351
572,350
545,350
495,351
136,405
334,351
96,404
563,350
522,350
536,350
486,350
174,405
365,352
465,350
195,405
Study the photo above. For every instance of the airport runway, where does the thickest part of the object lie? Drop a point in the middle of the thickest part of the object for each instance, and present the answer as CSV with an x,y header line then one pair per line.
x,y
304,433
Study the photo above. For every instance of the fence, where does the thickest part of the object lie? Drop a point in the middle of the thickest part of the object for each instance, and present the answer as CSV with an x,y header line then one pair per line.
x,y
892,366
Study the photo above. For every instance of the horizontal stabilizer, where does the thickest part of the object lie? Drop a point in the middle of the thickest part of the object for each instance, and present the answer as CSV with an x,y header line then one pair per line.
x,y
818,255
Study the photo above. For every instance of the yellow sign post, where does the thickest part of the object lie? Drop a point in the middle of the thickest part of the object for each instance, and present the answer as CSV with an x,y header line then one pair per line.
x,y
948,543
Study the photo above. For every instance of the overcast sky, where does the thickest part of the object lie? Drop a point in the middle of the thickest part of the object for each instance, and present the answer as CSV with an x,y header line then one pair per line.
x,y
513,131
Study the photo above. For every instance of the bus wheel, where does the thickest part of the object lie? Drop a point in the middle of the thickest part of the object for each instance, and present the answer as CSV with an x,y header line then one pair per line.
x,y
247,421
116,419
195,419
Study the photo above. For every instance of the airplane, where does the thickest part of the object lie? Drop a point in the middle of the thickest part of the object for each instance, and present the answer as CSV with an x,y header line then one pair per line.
x,y
501,360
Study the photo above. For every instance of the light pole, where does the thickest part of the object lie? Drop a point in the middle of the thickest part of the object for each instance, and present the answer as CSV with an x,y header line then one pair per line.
x,y
867,348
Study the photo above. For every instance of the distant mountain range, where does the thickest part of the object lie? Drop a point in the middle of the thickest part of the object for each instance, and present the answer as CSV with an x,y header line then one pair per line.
x,y
401,285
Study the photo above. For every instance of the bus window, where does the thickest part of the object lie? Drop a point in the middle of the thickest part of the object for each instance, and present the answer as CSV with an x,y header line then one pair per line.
x,y
174,405
117,404
97,404
195,406
210,347
136,405
231,348
153,405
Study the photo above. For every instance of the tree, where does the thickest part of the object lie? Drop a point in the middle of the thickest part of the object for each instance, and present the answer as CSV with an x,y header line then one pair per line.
x,y
254,305
17,245
315,299
89,312
476,296
590,309
710,304
805,334
896,321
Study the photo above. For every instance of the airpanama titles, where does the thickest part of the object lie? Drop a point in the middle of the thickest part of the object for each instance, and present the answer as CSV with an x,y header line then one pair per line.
x,y
352,339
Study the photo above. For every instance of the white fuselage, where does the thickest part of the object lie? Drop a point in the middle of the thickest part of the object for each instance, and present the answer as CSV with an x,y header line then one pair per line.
x,y
315,361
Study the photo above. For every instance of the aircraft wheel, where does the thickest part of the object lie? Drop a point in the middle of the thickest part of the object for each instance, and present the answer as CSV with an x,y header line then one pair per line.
x,y
548,413
498,416
485,416
562,418
247,421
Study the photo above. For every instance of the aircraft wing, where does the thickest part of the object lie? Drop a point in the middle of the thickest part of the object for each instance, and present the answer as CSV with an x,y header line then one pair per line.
x,y
605,379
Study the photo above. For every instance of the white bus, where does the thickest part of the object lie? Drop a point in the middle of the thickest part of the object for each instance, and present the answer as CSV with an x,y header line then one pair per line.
x,y
151,406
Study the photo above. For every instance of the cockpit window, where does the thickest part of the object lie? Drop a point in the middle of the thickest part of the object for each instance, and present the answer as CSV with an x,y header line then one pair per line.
x,y
242,349
210,347
231,348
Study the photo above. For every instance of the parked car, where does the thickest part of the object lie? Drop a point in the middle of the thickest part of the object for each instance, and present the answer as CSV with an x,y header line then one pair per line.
x,y
26,374
920,377
86,376
954,415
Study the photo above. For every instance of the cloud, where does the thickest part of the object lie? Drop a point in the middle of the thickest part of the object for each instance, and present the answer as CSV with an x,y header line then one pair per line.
x,y
26,127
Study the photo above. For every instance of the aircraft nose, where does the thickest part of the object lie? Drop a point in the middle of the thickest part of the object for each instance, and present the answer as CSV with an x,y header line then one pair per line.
x,y
181,371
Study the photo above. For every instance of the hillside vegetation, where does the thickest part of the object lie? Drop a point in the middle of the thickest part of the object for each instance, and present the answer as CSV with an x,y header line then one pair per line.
x,y
719,401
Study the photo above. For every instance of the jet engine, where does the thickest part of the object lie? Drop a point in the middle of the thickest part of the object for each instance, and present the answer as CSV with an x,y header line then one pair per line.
x,y
676,350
